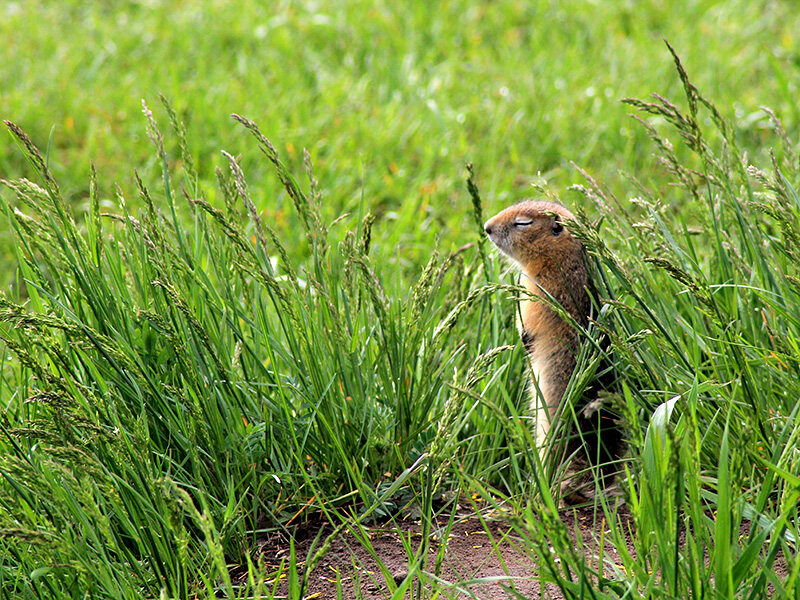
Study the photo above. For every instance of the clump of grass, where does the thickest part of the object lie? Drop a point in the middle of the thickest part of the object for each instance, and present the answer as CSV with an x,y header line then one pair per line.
x,y
180,384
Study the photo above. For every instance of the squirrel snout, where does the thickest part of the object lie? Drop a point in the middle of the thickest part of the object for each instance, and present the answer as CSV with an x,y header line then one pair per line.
x,y
492,226
496,232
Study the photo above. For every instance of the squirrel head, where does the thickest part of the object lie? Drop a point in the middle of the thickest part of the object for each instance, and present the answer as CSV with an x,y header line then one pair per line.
x,y
536,235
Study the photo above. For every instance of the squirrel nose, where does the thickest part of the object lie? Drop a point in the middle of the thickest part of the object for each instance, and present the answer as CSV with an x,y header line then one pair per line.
x,y
488,229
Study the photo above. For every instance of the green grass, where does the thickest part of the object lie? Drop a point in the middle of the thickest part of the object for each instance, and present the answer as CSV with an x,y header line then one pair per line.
x,y
390,100
195,357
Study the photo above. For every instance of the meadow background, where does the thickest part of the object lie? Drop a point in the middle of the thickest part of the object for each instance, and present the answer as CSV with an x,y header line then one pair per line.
x,y
241,355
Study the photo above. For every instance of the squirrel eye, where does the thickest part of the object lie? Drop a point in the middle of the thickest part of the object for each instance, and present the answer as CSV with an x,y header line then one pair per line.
x,y
557,228
522,222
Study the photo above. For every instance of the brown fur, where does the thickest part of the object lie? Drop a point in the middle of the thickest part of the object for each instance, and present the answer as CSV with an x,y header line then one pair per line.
x,y
536,236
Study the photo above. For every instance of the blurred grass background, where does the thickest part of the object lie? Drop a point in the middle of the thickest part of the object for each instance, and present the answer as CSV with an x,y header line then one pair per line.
x,y
390,98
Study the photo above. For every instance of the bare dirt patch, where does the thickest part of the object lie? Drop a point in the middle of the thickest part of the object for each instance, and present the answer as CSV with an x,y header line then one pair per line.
x,y
482,558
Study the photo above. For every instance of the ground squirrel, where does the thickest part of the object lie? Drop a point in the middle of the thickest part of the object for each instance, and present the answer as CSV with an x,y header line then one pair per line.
x,y
553,263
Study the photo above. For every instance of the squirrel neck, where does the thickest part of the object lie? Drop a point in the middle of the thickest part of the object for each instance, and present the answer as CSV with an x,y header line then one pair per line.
x,y
566,281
